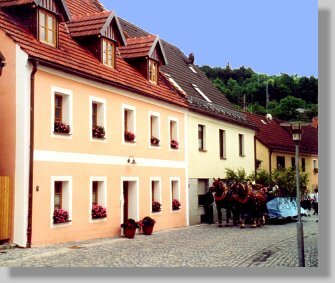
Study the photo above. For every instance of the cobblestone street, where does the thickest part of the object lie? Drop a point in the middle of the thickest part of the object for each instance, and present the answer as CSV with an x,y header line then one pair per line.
x,y
195,246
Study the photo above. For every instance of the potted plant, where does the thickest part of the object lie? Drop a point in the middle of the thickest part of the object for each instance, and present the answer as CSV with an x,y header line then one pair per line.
x,y
175,204
155,141
147,224
129,136
98,212
61,128
316,170
60,216
98,132
174,144
129,228
156,206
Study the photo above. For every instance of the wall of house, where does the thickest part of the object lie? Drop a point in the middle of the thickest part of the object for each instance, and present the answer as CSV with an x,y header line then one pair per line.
x,y
7,115
207,164
262,153
78,157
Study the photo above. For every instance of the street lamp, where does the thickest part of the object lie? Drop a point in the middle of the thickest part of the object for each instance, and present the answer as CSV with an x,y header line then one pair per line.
x,y
296,130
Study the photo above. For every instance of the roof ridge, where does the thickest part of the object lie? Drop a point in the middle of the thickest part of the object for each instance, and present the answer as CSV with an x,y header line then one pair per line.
x,y
83,16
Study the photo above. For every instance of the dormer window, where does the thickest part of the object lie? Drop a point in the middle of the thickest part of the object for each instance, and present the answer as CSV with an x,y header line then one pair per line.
x,y
153,72
108,53
47,27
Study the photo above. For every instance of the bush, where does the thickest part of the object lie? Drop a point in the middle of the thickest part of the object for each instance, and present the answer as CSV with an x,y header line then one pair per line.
x,y
147,221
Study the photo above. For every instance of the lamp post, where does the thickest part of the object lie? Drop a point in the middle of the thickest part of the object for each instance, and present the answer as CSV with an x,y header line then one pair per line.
x,y
296,129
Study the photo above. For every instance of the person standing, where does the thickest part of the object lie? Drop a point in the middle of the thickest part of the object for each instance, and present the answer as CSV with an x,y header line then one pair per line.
x,y
208,205
316,201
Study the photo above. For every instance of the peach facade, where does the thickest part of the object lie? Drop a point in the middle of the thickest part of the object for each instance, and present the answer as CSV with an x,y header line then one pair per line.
x,y
78,159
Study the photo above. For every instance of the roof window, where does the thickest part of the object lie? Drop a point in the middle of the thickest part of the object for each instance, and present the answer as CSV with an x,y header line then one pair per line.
x,y
47,27
192,69
201,93
175,84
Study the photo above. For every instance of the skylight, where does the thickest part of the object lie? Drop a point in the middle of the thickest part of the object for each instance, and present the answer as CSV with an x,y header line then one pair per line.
x,y
192,69
201,93
175,84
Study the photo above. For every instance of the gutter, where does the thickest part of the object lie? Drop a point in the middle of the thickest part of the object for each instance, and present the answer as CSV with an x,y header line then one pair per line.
x,y
270,164
31,152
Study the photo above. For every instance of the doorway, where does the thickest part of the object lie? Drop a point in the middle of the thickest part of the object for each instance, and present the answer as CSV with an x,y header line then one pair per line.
x,y
130,205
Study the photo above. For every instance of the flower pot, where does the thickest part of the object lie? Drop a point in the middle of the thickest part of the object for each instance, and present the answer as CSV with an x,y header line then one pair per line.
x,y
147,230
129,232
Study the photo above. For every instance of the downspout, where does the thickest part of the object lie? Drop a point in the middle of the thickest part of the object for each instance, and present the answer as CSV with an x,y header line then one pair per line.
x,y
270,164
255,158
31,153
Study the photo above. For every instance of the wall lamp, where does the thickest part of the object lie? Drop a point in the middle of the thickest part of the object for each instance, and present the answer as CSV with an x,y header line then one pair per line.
x,y
131,160
2,62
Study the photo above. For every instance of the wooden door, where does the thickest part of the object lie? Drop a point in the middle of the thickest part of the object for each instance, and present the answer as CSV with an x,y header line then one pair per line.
x,y
5,208
125,199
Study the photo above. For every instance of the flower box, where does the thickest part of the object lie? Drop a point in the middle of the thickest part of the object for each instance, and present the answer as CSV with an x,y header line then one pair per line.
x,y
316,170
98,132
176,204
174,144
60,216
129,136
61,128
155,141
156,206
98,212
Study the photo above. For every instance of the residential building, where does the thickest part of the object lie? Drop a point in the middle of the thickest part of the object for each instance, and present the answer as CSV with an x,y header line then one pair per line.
x,y
218,136
275,148
81,107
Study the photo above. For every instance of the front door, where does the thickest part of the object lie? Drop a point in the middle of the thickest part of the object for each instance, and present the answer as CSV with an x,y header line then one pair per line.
x,y
125,200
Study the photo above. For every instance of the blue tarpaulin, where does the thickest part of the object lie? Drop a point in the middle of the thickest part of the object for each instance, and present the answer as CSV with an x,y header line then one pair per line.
x,y
283,207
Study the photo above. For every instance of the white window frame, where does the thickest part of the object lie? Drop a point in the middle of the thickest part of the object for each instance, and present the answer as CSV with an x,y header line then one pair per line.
x,y
173,194
159,180
201,93
173,119
102,196
203,138
241,154
67,107
224,145
68,201
315,164
158,130
102,118
130,108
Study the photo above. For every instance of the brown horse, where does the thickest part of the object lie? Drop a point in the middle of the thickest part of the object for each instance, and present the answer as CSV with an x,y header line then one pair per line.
x,y
224,199
251,202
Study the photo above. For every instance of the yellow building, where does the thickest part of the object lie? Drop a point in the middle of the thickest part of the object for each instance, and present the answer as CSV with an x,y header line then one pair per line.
x,y
275,148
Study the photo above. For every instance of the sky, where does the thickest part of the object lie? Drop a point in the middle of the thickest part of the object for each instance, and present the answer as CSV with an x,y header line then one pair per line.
x,y
269,36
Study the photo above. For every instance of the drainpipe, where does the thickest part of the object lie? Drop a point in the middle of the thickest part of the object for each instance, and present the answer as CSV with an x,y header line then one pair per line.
x,y
270,164
31,153
255,158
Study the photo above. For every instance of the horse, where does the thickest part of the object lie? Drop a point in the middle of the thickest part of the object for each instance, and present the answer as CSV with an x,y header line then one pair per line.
x,y
251,202
224,199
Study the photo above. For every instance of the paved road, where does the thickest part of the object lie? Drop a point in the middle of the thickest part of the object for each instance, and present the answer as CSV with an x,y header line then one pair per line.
x,y
195,246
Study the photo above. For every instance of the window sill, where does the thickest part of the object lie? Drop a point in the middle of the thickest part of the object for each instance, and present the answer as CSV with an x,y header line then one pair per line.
x,y
134,141
98,138
156,212
223,158
66,222
62,134
155,145
243,155
202,150
176,210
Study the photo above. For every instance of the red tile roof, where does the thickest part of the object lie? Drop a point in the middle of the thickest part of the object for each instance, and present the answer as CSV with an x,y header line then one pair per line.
x,y
138,46
277,137
7,3
84,7
72,57
85,25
